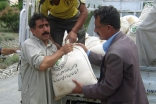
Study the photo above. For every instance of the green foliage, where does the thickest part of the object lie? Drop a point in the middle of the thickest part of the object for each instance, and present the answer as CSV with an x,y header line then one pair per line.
x,y
9,18
8,37
147,3
3,4
20,4
90,14
1,39
10,59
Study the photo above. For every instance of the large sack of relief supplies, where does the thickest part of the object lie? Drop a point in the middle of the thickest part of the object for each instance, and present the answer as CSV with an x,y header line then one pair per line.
x,y
74,65
124,25
126,22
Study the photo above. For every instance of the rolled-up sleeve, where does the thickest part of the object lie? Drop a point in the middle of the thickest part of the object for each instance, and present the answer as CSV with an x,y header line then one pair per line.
x,y
33,55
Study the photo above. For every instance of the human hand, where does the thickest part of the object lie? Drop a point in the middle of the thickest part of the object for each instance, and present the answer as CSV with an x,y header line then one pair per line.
x,y
72,36
67,48
83,46
18,50
78,88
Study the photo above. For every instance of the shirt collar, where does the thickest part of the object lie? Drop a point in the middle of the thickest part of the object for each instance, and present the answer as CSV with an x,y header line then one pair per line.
x,y
41,42
108,42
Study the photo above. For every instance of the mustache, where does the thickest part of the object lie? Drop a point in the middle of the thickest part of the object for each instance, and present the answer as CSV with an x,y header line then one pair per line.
x,y
45,33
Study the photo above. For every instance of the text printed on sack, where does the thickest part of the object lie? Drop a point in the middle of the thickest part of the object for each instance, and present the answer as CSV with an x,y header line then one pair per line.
x,y
65,73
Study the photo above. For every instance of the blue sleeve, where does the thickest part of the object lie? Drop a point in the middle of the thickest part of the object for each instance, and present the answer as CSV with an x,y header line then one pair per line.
x,y
88,52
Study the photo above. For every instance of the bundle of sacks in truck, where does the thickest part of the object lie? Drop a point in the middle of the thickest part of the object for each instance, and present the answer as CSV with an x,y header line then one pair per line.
x,y
129,23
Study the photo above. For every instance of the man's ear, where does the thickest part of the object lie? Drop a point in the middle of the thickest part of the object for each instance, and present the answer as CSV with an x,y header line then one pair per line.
x,y
109,27
32,30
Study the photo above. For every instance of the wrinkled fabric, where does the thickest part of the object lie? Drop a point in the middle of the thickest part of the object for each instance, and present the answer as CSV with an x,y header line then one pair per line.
x,y
146,39
37,85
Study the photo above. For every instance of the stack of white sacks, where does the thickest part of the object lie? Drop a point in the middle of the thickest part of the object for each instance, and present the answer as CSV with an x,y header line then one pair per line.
x,y
130,23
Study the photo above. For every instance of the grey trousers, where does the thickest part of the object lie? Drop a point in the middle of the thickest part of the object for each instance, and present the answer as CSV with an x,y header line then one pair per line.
x,y
58,27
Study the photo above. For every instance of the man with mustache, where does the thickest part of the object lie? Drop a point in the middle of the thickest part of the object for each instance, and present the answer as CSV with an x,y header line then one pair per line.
x,y
38,55
120,81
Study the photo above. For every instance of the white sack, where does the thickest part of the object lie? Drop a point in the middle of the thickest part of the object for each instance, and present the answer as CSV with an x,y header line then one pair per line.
x,y
132,29
124,25
74,65
91,41
95,44
131,19
126,22
98,48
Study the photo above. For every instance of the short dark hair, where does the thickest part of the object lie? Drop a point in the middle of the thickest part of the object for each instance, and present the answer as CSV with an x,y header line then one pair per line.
x,y
36,16
108,16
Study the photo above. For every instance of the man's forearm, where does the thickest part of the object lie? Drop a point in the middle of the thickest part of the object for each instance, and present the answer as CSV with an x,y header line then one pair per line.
x,y
7,51
82,18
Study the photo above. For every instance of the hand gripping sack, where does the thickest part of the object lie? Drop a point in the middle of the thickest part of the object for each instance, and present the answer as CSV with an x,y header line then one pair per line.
x,y
74,65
